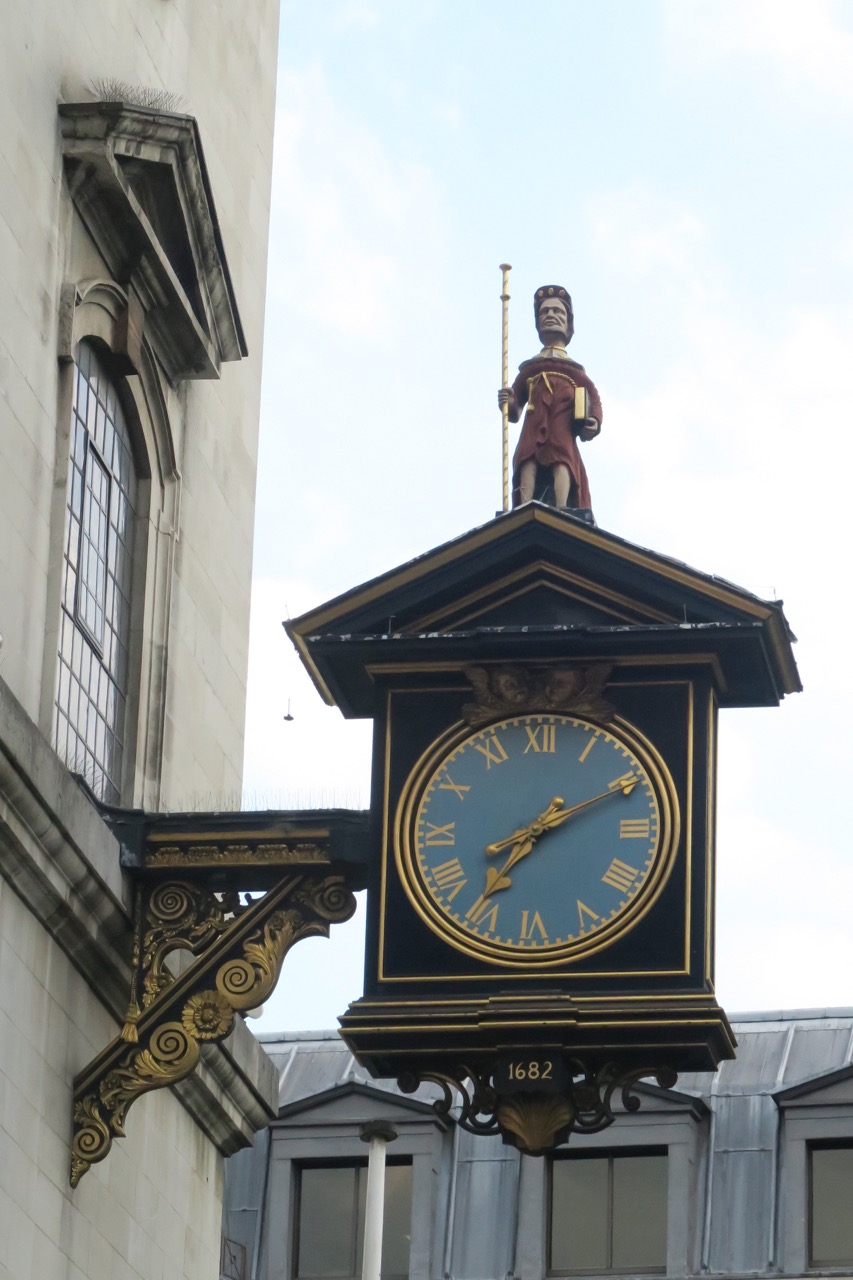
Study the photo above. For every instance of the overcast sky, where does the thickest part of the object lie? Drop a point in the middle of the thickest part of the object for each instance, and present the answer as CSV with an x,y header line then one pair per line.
x,y
684,168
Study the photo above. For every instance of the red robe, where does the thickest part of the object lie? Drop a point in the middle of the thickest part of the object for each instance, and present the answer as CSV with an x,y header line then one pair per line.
x,y
546,384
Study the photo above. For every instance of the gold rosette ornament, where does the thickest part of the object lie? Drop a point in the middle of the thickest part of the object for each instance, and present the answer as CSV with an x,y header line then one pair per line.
x,y
207,1016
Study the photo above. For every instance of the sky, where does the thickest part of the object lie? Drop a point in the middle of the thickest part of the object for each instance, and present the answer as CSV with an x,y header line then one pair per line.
x,y
683,168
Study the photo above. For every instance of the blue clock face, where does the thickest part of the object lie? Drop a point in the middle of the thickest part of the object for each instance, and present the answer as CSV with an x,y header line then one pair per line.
x,y
538,837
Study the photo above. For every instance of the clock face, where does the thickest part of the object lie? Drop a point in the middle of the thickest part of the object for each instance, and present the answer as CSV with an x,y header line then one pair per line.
x,y
536,838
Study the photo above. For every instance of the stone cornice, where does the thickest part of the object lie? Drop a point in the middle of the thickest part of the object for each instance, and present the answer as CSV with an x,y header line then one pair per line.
x,y
63,862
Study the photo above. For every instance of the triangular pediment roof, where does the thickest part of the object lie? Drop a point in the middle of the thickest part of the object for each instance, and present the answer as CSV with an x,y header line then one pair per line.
x,y
139,182
354,1103
535,568
833,1088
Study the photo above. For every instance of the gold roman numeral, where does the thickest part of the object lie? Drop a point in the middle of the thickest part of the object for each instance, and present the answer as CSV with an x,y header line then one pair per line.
x,y
542,737
439,835
583,911
589,746
620,875
530,926
493,750
625,784
450,877
634,829
458,788
483,911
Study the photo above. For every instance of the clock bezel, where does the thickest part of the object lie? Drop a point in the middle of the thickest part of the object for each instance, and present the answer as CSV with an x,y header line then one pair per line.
x,y
511,955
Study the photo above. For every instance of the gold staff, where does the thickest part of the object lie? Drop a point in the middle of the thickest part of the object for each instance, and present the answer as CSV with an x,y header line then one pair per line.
x,y
505,270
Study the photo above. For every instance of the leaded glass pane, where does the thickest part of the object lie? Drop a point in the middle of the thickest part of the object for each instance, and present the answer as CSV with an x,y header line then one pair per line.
x,y
92,671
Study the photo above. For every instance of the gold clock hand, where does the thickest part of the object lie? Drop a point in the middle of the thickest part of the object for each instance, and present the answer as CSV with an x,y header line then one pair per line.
x,y
625,786
554,816
522,842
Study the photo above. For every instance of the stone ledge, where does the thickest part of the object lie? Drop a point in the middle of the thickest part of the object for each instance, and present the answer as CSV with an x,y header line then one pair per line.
x,y
63,862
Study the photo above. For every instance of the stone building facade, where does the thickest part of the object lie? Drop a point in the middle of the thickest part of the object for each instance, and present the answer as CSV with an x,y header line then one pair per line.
x,y
135,168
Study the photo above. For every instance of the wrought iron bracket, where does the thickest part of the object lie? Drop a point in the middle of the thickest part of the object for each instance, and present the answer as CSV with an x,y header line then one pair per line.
x,y
529,1116
239,944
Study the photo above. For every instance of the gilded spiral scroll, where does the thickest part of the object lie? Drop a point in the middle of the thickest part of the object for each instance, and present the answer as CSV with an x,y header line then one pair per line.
x,y
239,948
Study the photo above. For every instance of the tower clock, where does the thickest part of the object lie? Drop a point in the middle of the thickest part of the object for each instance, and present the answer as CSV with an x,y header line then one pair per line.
x,y
541,881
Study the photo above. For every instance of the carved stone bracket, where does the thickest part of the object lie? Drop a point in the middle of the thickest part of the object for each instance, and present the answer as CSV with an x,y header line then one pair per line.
x,y
239,947
536,1119
514,690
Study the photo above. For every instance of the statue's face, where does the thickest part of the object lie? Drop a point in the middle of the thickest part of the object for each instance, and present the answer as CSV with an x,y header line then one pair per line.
x,y
553,317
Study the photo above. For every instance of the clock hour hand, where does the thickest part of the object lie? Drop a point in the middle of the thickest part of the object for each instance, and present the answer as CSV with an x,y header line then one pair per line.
x,y
522,842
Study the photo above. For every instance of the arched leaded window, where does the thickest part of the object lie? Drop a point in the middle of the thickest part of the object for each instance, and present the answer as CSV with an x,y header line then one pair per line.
x,y
93,667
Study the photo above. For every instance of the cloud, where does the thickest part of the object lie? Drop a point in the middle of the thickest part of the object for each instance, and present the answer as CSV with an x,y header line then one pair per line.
x,y
635,232
808,46
348,216
784,939
356,14
449,113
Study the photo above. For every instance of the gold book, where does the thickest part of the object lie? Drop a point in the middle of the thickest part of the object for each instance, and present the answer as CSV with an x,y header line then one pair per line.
x,y
580,403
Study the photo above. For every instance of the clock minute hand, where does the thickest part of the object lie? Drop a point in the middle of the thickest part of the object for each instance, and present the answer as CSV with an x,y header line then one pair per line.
x,y
557,818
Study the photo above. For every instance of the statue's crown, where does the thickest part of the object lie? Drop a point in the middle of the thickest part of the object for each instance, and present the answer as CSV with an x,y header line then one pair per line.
x,y
548,291
551,291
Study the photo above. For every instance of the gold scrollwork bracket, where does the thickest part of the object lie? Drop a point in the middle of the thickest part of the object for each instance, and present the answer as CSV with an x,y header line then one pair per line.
x,y
527,1115
239,949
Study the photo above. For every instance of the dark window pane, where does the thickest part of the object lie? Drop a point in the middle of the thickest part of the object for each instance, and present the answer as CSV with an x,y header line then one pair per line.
x,y
608,1214
579,1215
332,1204
327,1223
831,1200
397,1225
639,1213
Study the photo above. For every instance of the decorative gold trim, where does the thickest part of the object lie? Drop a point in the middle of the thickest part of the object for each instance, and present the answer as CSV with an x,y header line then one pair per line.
x,y
711,660
234,855
711,836
308,832
240,949
692,997
536,1120
629,611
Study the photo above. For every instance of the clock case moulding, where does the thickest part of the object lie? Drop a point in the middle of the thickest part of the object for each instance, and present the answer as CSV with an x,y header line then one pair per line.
x,y
537,590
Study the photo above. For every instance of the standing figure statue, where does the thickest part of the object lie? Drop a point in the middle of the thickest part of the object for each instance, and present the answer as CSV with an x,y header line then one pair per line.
x,y
547,462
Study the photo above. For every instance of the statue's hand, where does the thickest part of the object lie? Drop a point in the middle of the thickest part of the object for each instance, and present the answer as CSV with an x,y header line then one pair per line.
x,y
506,397
589,428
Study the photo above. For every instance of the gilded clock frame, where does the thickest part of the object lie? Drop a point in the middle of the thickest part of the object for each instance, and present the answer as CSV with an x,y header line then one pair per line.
x,y
481,949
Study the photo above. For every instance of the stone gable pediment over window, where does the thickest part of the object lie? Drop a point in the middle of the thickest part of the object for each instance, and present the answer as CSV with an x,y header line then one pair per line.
x,y
833,1088
359,1104
139,183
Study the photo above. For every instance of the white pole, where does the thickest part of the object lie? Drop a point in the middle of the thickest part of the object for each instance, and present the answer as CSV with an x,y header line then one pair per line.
x,y
378,1135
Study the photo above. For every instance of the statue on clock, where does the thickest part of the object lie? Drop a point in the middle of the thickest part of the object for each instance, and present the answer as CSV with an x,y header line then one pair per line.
x,y
562,407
